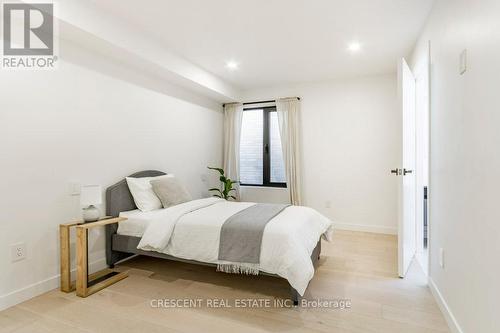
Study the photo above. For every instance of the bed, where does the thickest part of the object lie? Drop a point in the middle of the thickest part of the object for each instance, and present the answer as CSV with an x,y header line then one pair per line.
x,y
196,234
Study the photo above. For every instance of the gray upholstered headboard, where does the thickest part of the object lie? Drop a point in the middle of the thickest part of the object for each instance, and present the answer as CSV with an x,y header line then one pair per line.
x,y
118,197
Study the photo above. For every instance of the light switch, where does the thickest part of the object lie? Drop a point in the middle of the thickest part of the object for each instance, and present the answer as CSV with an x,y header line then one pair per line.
x,y
74,188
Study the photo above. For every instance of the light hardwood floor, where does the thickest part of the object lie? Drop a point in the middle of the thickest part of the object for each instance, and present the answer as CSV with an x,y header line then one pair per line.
x,y
358,266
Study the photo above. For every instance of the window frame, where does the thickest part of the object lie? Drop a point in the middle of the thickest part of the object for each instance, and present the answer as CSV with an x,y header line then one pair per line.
x,y
266,156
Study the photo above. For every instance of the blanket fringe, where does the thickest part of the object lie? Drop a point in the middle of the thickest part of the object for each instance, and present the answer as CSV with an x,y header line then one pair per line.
x,y
238,269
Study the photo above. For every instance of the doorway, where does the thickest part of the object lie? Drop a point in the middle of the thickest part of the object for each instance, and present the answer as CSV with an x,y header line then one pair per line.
x,y
413,176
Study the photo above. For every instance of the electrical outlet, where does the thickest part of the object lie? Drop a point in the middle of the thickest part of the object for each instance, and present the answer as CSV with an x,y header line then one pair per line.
x,y
18,252
204,177
463,62
441,257
328,204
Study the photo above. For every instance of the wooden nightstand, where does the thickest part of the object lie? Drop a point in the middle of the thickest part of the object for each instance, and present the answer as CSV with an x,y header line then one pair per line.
x,y
85,285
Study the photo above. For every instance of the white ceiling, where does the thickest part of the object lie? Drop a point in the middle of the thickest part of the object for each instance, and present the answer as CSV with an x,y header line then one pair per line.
x,y
281,41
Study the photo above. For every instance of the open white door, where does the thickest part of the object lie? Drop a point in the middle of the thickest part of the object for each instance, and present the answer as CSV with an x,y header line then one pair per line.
x,y
407,200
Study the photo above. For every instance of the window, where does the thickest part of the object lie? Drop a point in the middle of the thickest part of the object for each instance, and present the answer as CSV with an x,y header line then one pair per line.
x,y
261,157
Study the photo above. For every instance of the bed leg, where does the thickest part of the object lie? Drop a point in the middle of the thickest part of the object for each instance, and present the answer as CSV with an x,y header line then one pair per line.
x,y
294,296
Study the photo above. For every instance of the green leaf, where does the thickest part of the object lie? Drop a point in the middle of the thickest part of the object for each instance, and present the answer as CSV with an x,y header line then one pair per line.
x,y
216,189
232,196
216,195
221,171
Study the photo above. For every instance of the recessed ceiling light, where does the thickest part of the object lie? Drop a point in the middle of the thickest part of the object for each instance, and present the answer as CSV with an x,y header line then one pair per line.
x,y
232,65
354,47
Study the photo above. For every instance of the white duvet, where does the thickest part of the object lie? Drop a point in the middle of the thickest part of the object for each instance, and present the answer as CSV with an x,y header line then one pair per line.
x,y
192,230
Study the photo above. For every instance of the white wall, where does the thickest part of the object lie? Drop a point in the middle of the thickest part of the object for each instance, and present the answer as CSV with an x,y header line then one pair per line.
x,y
465,159
77,124
350,141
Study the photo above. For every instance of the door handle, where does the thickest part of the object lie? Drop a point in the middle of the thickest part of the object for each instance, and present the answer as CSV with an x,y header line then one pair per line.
x,y
405,171
396,171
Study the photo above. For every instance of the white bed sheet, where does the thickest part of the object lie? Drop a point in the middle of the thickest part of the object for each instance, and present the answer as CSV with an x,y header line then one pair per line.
x,y
287,244
138,221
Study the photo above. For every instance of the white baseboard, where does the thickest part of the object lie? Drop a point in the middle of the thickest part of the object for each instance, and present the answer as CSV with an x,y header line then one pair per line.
x,y
448,315
366,228
38,288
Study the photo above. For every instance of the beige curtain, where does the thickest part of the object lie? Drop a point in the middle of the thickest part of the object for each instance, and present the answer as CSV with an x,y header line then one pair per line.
x,y
233,114
288,117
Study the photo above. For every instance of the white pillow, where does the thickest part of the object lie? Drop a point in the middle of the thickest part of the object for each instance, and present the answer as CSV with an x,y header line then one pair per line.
x,y
144,197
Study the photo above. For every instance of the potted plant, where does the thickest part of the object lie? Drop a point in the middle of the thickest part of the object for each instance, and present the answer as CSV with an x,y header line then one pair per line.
x,y
226,187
